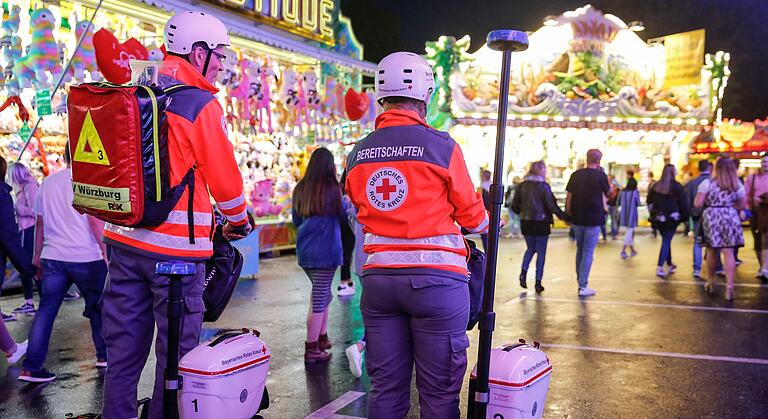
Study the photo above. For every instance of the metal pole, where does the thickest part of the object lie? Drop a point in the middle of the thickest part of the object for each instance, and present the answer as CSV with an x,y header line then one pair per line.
x,y
506,41
172,385
61,78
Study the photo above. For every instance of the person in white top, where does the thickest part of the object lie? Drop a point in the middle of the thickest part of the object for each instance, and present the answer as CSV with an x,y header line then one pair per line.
x,y
68,249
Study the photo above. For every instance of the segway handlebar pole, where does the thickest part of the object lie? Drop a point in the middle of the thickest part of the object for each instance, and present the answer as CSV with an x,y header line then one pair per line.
x,y
506,41
175,271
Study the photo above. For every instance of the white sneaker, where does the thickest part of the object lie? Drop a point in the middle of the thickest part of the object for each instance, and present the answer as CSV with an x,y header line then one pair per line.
x,y
355,358
661,273
345,290
21,350
697,273
671,269
101,363
586,292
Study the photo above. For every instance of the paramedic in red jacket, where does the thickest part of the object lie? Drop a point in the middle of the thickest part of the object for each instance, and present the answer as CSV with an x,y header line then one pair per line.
x,y
411,187
134,301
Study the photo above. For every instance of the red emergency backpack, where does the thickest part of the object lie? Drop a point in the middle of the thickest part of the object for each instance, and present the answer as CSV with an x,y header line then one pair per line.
x,y
119,152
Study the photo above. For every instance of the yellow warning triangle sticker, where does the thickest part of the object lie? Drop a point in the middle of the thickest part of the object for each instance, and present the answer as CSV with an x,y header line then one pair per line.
x,y
90,137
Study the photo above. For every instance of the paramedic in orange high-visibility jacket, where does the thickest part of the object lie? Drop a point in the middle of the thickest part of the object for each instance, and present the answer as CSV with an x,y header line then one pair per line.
x,y
135,298
412,190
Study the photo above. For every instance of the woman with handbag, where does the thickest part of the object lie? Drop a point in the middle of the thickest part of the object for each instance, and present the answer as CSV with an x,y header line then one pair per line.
x,y
534,203
721,197
669,208
629,200
757,199
317,209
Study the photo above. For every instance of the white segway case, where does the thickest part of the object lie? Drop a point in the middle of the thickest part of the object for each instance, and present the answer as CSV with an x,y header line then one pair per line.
x,y
518,382
225,378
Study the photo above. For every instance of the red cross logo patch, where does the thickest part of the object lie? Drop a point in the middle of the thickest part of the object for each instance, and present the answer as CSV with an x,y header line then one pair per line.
x,y
386,189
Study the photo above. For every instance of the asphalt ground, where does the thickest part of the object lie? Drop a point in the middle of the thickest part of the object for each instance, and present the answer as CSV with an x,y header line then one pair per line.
x,y
643,347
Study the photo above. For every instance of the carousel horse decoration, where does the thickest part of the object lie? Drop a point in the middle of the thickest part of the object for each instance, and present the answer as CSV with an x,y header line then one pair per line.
x,y
43,53
85,58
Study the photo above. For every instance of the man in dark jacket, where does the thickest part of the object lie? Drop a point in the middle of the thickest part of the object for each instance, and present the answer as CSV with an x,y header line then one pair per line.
x,y
705,170
10,239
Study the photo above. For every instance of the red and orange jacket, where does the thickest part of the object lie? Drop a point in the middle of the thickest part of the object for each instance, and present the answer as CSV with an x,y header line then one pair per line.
x,y
411,187
197,137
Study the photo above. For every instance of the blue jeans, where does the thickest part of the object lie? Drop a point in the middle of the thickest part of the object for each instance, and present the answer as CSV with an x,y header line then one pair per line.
x,y
696,247
665,253
586,242
514,222
536,245
57,278
613,212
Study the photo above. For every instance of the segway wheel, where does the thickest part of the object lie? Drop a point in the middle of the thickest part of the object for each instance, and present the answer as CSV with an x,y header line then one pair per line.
x,y
264,400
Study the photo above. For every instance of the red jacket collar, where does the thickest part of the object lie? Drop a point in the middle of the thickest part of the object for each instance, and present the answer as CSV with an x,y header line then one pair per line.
x,y
399,117
187,74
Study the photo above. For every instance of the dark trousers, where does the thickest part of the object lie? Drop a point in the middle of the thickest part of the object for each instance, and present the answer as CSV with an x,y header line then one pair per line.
x,y
134,303
11,249
665,253
58,276
28,243
421,320
348,246
535,245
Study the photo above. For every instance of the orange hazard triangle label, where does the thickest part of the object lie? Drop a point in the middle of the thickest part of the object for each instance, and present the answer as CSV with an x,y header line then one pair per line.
x,y
89,138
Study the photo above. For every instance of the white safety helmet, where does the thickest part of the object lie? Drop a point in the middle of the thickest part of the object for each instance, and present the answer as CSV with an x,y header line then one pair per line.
x,y
186,28
404,74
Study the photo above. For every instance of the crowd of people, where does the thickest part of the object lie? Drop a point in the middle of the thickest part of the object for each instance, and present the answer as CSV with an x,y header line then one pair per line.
x,y
712,207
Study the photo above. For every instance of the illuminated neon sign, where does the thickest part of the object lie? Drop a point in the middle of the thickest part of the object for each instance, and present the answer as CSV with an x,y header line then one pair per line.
x,y
312,19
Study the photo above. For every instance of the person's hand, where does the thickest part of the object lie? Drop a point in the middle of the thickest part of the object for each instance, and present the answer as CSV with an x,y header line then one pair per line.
x,y
38,264
233,233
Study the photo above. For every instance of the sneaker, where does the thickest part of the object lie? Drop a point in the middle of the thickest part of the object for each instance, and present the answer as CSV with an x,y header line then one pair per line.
x,y
8,317
624,255
21,350
101,363
41,376
71,296
661,273
720,272
355,358
345,290
633,254
586,292
671,269
26,308
697,273
762,274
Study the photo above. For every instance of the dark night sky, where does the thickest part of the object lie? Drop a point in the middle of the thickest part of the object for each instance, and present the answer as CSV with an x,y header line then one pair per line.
x,y
736,26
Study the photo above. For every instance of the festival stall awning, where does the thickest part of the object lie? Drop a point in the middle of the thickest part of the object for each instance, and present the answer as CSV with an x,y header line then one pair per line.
x,y
248,32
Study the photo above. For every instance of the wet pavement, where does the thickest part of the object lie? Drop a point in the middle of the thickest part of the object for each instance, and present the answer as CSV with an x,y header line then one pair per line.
x,y
641,348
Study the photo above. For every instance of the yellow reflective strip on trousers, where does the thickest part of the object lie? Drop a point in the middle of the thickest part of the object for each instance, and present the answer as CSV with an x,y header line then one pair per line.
x,y
156,140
